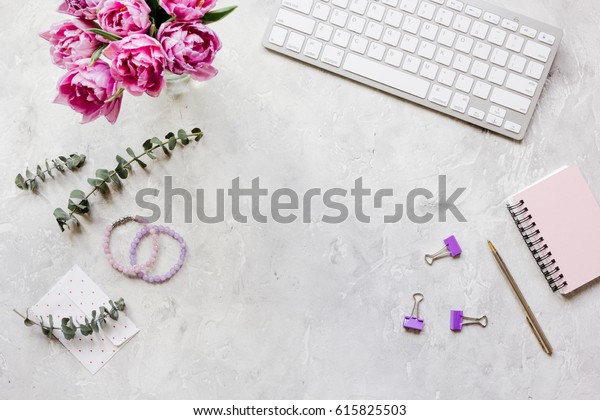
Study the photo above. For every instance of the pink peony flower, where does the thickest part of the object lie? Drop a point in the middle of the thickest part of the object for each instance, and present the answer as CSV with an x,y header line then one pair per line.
x,y
187,10
190,47
86,89
70,41
85,9
138,62
124,17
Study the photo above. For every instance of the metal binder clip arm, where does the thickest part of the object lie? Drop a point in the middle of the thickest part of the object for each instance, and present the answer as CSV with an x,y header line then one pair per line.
x,y
457,320
413,322
451,248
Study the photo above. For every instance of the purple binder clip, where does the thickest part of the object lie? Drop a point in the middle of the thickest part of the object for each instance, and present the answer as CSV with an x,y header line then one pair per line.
x,y
457,320
413,322
452,248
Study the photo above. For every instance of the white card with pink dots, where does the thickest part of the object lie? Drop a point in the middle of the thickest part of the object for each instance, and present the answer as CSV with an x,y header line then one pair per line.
x,y
77,295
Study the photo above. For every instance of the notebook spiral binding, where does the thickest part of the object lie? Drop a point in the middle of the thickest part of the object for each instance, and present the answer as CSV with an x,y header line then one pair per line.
x,y
537,246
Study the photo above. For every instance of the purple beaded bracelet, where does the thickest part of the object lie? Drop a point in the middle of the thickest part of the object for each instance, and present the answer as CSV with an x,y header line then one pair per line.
x,y
134,269
153,230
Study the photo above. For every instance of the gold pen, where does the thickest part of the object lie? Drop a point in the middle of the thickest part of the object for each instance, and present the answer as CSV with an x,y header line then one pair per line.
x,y
535,326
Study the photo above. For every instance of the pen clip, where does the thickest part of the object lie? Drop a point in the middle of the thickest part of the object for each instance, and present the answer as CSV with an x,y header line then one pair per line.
x,y
539,337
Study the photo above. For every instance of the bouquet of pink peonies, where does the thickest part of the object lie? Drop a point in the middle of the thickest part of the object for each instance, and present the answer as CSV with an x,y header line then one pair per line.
x,y
112,46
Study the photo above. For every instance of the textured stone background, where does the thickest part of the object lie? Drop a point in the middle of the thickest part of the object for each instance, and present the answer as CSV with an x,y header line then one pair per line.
x,y
299,310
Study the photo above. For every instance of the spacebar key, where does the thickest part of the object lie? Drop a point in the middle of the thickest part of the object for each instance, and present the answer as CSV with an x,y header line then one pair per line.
x,y
386,75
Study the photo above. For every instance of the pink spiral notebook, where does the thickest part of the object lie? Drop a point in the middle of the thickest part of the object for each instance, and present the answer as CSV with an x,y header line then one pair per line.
x,y
559,219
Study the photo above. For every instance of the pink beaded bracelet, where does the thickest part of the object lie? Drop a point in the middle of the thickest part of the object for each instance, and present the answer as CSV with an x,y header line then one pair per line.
x,y
134,269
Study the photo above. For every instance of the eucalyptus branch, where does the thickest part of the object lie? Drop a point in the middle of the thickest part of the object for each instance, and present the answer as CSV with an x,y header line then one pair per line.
x,y
68,326
30,180
79,201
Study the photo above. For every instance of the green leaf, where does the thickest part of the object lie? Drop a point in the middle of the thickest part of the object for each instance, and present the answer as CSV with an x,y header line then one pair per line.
x,y
28,322
78,202
120,304
49,169
96,55
172,143
20,182
216,15
130,152
121,171
147,144
107,35
40,173
29,175
114,314
116,180
33,185
62,218
103,174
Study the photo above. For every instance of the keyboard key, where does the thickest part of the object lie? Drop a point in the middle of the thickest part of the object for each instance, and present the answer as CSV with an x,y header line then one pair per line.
x,y
391,3
480,69
388,76
411,24
444,17
374,30
313,48
546,38
444,56
341,38
482,90
482,50
511,126
464,83
392,37
393,57
393,18
517,63
521,85
527,31
510,100
511,25
492,18
499,57
357,24
429,70
498,112
376,51
277,36
427,50
409,43
302,6
447,77
473,11
429,31
464,44
409,5
537,51
460,102
497,76
492,119
476,113
462,24
497,36
461,63
455,4
446,37
332,56
324,32
359,44
321,11
440,95
376,12
295,21
426,10
534,70
515,43
295,42
479,30
412,64
340,3
358,6
339,18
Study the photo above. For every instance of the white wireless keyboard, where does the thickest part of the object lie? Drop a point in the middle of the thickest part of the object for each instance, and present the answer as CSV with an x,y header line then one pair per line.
x,y
471,60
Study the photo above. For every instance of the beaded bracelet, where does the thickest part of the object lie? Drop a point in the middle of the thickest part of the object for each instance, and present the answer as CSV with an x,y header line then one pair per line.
x,y
153,230
134,269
